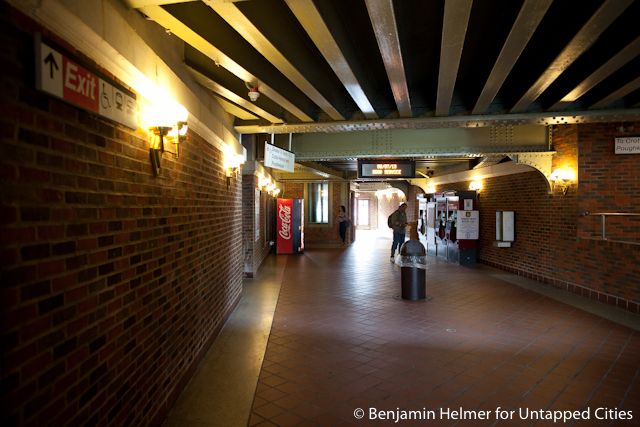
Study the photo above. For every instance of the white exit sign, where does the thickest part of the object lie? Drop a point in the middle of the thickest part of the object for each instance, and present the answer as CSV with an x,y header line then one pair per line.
x,y
65,78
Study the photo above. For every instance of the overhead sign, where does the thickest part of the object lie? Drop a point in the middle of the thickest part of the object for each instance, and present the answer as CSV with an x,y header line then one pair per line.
x,y
60,76
628,145
278,158
398,168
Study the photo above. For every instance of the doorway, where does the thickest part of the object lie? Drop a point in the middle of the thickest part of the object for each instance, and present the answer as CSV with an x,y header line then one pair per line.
x,y
363,214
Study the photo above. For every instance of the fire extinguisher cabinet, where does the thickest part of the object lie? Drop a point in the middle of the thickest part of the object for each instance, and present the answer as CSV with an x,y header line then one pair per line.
x,y
290,226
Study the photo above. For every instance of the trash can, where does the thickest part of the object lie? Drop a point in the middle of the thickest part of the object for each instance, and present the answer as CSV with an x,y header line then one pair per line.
x,y
413,266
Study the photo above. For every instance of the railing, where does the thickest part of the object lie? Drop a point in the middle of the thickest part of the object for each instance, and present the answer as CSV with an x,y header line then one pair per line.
x,y
603,221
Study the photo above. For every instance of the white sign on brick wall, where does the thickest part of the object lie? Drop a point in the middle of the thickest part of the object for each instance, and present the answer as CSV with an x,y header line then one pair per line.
x,y
627,145
65,78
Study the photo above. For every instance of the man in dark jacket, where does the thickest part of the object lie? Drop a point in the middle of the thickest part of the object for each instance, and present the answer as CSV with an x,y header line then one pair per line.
x,y
398,224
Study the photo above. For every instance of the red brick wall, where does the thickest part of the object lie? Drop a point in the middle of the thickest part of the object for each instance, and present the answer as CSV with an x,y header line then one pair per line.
x,y
609,182
413,207
386,206
255,250
553,242
321,234
114,282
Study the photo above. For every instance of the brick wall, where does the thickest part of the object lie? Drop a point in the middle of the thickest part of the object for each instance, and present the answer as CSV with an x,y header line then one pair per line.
x,y
321,234
554,243
386,206
255,242
609,182
113,282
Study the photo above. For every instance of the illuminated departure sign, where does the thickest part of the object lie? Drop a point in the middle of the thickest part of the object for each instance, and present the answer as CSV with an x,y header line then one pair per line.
x,y
399,168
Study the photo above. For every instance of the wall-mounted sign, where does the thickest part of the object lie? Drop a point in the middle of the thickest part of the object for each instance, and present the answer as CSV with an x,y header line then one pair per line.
x,y
393,168
628,145
505,226
468,225
278,158
60,76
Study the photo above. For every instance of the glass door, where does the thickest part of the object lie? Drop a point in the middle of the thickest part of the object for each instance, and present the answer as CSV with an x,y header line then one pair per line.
x,y
363,213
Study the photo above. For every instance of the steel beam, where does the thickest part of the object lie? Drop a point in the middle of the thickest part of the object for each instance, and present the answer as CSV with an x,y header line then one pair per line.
x,y
525,25
312,22
384,26
614,64
623,91
177,27
232,96
476,121
230,13
457,142
587,35
454,29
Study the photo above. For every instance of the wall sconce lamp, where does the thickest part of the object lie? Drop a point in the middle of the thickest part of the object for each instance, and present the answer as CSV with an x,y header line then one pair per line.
x,y
562,178
165,127
232,163
475,185
267,184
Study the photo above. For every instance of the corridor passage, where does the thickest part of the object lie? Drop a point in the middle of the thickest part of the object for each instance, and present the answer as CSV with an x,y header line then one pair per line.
x,y
342,340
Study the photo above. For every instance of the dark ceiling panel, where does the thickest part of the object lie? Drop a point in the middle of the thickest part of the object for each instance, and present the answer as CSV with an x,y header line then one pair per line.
x,y
420,29
482,47
622,32
560,24
350,25
209,25
531,50
203,64
612,83
271,17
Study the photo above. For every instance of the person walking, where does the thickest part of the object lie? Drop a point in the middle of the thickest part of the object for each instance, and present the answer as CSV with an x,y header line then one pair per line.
x,y
398,222
343,223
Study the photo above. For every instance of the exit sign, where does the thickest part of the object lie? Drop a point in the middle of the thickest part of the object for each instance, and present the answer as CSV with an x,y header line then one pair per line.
x,y
385,169
61,76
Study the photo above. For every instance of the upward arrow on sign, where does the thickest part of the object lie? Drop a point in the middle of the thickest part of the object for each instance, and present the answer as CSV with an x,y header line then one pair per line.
x,y
52,63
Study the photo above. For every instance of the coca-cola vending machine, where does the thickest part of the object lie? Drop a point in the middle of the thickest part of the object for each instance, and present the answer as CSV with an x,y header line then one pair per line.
x,y
290,227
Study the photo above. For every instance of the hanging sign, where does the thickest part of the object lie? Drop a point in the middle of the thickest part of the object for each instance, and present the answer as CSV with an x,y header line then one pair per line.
x,y
278,158
628,145
63,77
393,168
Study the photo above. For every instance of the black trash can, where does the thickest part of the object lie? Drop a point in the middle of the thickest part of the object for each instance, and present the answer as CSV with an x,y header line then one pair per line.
x,y
413,264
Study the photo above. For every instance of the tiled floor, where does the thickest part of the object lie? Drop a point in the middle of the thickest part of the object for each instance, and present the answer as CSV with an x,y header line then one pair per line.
x,y
342,340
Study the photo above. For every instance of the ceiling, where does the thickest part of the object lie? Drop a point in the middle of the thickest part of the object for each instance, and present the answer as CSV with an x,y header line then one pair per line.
x,y
350,65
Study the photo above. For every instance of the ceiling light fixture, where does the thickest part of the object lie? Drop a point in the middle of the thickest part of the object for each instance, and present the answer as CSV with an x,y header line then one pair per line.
x,y
254,93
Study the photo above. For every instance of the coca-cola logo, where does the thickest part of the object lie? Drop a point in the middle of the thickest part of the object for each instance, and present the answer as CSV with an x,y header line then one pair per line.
x,y
284,213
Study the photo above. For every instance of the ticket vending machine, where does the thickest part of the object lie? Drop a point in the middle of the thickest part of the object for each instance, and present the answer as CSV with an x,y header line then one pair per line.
x,y
453,226
290,226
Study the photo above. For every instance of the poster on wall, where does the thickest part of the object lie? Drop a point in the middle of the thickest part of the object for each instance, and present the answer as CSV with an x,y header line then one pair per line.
x,y
257,213
468,225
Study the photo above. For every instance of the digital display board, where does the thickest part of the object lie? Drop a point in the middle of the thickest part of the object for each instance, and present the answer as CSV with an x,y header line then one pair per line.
x,y
389,168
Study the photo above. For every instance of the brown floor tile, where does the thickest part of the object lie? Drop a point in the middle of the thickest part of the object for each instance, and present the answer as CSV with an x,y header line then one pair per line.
x,y
341,340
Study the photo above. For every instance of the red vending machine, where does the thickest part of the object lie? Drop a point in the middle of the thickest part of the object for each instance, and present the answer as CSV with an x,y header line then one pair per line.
x,y
290,226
